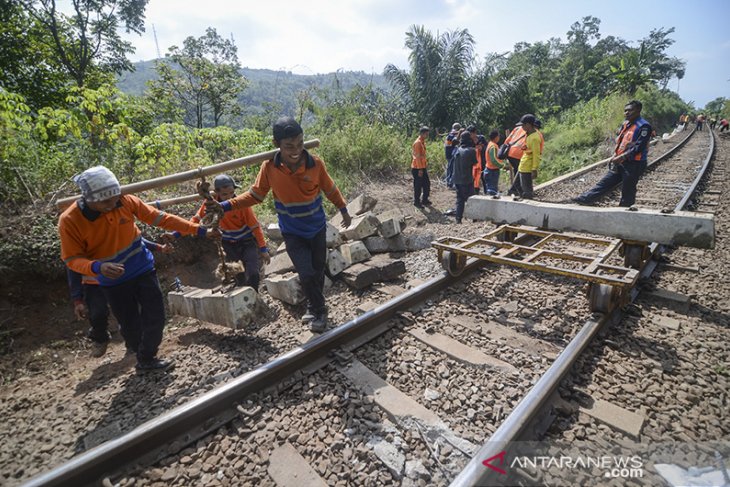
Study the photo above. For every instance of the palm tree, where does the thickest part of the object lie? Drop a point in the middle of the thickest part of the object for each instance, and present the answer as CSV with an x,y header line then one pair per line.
x,y
440,66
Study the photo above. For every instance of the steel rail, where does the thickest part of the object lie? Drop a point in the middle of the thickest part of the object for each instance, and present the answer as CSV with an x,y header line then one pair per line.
x,y
526,411
113,455
118,453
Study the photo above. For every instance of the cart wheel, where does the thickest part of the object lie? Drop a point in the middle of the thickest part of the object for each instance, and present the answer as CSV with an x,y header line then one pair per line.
x,y
453,263
602,298
633,256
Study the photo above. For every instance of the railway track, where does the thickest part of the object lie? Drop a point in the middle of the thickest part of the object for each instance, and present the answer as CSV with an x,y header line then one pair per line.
x,y
423,377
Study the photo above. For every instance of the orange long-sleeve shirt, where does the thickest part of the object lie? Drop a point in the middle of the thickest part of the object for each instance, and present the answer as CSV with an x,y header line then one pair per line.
x,y
297,195
90,238
419,154
236,225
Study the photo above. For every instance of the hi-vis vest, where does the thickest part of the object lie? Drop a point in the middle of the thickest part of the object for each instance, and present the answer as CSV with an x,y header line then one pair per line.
x,y
629,135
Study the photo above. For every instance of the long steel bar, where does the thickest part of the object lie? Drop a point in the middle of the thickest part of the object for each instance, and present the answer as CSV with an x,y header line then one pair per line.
x,y
475,472
193,173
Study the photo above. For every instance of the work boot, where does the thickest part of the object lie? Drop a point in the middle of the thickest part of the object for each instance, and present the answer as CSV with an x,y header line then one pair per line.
x,y
418,205
154,365
319,324
98,349
426,203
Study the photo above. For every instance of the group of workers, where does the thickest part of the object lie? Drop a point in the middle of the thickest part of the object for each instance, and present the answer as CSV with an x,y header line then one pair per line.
x,y
110,264
473,161
701,120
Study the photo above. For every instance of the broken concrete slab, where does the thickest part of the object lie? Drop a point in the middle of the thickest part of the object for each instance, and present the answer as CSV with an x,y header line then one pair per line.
x,y
389,228
361,227
335,262
354,252
236,308
388,268
681,299
394,214
360,276
280,263
273,231
288,468
366,306
418,241
378,245
285,287
389,454
680,228
362,204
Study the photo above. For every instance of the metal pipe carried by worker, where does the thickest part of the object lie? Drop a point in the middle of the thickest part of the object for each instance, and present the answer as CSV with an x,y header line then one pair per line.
x,y
192,174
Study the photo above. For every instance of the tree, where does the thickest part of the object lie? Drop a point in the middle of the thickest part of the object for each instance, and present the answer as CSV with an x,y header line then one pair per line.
x,y
87,42
716,105
203,78
439,67
28,65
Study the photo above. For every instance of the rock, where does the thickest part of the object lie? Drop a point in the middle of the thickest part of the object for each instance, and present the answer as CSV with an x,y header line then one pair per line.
x,y
431,395
415,470
418,241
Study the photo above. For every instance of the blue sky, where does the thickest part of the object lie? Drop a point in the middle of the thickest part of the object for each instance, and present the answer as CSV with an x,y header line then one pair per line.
x,y
318,36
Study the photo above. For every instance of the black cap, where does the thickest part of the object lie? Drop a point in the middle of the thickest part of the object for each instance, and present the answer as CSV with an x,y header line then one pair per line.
x,y
285,128
527,118
466,139
223,181
538,123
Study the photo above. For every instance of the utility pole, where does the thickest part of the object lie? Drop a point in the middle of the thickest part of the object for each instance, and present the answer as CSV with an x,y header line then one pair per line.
x,y
157,44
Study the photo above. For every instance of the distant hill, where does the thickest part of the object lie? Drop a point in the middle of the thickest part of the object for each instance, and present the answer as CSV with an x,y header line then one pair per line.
x,y
266,86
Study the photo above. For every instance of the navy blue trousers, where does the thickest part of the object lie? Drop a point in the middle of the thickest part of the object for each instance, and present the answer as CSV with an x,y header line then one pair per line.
x,y
628,176
246,251
140,309
309,256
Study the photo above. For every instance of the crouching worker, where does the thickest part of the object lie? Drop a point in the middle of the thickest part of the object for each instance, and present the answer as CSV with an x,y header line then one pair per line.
x,y
243,239
297,180
99,238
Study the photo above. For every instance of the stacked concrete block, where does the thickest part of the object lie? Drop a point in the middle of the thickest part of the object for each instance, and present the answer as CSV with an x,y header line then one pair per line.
x,y
236,308
358,206
388,269
360,276
389,228
334,239
361,227
379,245
354,252
273,231
280,263
285,287
335,262
395,214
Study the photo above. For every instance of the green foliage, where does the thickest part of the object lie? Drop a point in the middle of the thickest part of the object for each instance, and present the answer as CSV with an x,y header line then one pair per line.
x,y
87,43
662,108
34,247
719,106
202,78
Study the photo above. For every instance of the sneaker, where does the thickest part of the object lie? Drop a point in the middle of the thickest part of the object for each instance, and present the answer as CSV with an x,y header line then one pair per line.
x,y
98,349
580,201
319,324
450,212
154,365
308,317
426,203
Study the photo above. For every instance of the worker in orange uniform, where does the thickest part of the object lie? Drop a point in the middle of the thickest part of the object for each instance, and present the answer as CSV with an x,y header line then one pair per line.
x,y
421,182
99,238
243,239
297,179
493,165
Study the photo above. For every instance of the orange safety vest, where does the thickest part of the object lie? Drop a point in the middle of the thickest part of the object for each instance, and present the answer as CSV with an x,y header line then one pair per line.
x,y
516,138
626,138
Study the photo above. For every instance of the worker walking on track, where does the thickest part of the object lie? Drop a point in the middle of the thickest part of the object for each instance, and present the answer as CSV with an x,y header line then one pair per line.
x,y
99,238
297,180
629,160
